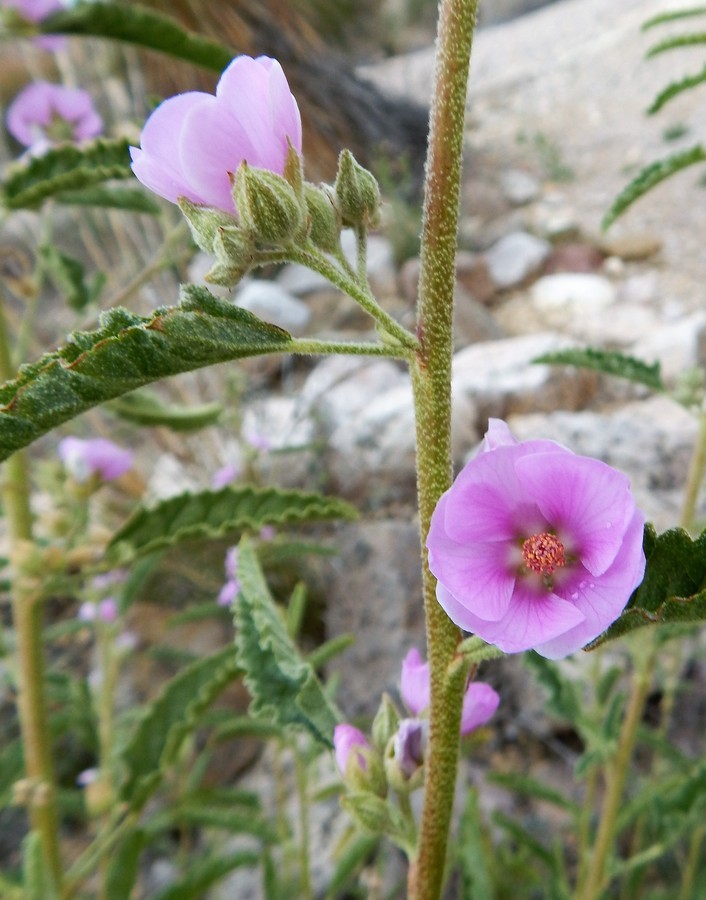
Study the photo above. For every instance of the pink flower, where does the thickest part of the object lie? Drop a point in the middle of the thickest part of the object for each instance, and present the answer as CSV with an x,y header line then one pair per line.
x,y
479,703
228,593
224,476
36,10
193,143
43,114
409,744
534,547
345,739
105,610
95,457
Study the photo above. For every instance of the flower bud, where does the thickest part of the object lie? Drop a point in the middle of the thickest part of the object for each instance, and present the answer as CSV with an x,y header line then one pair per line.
x,y
357,193
205,222
233,249
368,811
324,217
404,757
357,761
385,723
267,204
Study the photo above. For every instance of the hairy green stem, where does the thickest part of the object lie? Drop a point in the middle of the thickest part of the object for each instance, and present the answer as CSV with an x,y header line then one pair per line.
x,y
616,775
27,619
431,378
350,348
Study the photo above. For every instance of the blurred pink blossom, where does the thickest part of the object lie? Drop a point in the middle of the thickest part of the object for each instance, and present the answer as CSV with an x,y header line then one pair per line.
x,y
345,740
224,476
479,703
409,744
36,10
193,143
43,114
535,547
96,456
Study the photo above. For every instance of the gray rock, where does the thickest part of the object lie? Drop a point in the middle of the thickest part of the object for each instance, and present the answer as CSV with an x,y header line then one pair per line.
x,y
676,346
516,257
269,301
519,187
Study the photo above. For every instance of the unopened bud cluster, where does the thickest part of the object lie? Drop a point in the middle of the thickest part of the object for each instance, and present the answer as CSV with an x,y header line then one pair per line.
x,y
276,211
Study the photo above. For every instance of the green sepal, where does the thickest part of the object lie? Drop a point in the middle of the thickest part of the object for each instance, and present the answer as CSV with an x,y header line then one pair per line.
x,y
234,252
64,168
127,352
135,24
205,222
385,723
283,686
267,204
213,514
673,589
357,193
370,813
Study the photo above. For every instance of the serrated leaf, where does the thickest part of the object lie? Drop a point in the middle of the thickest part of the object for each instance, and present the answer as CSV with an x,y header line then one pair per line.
x,y
138,25
212,514
146,408
283,686
649,177
204,873
127,352
674,89
661,18
69,276
64,168
673,589
168,719
676,41
108,197
607,361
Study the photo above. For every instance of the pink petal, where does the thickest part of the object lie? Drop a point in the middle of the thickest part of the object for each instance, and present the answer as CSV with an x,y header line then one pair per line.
x,y
532,619
345,739
479,705
497,435
583,497
414,682
478,575
601,599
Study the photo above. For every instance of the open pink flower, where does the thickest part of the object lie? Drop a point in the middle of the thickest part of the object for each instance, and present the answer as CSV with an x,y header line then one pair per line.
x,y
34,11
97,456
194,142
535,547
479,703
43,114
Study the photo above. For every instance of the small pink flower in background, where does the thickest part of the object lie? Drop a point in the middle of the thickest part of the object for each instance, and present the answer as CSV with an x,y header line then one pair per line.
x,y
224,476
44,114
88,776
97,456
268,533
109,579
535,547
479,703
105,611
256,439
193,143
35,11
229,591
345,740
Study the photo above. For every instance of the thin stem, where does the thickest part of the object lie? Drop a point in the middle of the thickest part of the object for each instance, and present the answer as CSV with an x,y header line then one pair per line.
x,y
692,863
431,379
357,348
695,476
303,801
27,618
616,776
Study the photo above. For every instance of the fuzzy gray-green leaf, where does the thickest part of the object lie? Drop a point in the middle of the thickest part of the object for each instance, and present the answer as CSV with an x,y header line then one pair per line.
x,y
651,176
283,686
64,168
212,514
127,352
610,362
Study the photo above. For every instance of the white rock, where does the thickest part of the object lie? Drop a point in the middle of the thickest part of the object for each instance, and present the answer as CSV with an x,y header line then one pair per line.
x,y
341,386
282,424
575,292
675,345
269,301
516,257
519,187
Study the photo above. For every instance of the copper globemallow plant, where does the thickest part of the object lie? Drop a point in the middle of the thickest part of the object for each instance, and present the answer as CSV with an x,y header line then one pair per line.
x,y
535,547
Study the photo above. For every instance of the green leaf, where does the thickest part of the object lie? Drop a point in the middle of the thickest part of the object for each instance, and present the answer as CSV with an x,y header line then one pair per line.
x,y
610,362
204,873
351,861
672,16
525,838
649,177
676,41
475,852
673,589
127,352
108,197
243,820
165,723
674,89
523,785
146,408
69,276
212,514
64,168
36,880
139,25
284,687
122,864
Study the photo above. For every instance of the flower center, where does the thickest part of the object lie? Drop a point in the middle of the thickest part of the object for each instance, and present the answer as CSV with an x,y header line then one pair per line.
x,y
543,553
